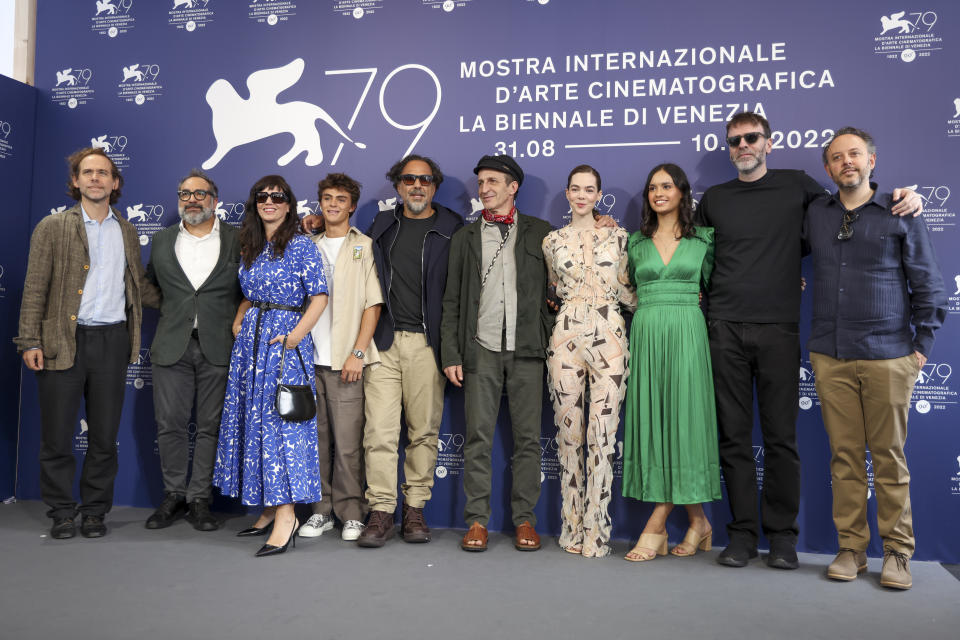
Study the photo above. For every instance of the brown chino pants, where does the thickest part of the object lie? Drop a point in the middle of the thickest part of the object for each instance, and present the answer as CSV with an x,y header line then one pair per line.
x,y
865,404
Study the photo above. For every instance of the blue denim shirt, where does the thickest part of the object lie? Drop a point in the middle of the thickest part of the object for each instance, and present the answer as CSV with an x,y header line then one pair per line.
x,y
879,294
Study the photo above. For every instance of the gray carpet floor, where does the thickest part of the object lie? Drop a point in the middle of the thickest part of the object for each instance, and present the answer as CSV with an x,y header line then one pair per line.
x,y
179,583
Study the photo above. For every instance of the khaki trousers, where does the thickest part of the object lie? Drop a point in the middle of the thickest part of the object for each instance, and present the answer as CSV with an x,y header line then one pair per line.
x,y
407,378
339,437
865,404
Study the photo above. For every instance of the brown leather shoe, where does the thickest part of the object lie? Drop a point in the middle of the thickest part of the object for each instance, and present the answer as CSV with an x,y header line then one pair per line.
x,y
414,528
379,529
475,539
848,564
526,538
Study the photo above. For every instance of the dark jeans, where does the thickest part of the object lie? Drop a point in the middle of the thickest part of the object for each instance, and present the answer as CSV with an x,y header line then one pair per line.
x,y
98,376
767,355
483,390
174,389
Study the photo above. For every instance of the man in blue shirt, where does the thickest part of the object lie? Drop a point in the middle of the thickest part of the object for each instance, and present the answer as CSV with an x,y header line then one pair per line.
x,y
79,329
878,298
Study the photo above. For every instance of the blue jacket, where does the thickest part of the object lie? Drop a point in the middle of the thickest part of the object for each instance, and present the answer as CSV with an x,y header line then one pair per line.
x,y
436,250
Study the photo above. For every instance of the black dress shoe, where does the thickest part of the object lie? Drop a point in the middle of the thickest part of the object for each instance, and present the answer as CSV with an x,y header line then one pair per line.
x,y
783,553
737,553
200,517
255,531
270,550
172,507
63,528
92,527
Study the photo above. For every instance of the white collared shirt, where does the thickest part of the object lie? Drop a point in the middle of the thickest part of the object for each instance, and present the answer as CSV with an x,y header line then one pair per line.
x,y
198,255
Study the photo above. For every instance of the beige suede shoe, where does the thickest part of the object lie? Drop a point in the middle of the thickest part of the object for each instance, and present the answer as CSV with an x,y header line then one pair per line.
x,y
896,570
848,564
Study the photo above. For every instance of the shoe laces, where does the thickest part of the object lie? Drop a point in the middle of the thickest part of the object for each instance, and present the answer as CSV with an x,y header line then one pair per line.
x,y
378,519
353,524
414,518
901,558
315,521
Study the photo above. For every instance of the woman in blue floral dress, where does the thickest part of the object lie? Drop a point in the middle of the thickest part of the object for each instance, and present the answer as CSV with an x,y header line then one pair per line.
x,y
261,457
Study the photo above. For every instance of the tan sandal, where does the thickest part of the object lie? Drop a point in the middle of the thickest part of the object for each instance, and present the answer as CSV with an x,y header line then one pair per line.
x,y
694,541
650,541
475,539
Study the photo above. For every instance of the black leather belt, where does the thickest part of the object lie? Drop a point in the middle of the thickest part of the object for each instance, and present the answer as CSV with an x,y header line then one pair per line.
x,y
267,306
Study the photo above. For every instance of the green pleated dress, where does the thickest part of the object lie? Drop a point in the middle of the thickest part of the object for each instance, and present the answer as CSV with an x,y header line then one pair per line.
x,y
670,427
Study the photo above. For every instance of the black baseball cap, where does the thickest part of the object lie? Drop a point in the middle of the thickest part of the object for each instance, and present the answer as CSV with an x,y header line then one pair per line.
x,y
504,164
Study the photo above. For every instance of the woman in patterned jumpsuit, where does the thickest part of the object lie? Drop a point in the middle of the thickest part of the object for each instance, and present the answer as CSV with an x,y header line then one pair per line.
x,y
587,361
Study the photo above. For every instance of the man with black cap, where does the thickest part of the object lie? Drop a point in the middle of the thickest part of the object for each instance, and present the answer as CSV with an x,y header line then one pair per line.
x,y
494,332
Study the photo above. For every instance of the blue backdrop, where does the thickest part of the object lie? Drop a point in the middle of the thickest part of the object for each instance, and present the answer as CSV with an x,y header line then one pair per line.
x,y
18,103
303,88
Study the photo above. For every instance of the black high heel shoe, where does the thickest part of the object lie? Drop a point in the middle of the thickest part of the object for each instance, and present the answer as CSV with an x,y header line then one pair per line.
x,y
270,550
255,531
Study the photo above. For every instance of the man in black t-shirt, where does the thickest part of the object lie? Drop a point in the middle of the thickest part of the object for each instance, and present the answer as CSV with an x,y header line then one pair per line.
x,y
411,245
753,317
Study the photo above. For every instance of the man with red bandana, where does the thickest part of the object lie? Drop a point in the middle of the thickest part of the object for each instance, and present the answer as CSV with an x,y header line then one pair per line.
x,y
494,332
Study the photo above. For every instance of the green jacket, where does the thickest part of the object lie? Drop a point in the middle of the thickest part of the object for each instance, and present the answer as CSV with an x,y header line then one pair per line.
x,y
214,303
461,299
57,271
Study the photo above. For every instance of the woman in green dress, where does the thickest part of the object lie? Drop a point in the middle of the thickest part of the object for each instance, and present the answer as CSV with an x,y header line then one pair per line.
x,y
670,452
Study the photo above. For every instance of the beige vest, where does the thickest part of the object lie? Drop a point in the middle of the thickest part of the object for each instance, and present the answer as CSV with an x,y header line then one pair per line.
x,y
498,297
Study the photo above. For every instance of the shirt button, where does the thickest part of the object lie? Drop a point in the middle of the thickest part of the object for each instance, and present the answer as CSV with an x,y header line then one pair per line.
x,y
841,290
80,291
843,264
73,317
86,267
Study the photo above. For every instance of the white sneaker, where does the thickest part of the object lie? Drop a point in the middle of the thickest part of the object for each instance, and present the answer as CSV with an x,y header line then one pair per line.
x,y
351,530
315,526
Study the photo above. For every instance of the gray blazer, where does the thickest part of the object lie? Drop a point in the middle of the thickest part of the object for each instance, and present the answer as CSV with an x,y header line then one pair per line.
x,y
214,304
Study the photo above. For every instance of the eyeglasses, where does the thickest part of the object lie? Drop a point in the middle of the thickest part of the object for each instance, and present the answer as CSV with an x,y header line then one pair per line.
x,y
410,179
277,197
846,228
734,141
199,194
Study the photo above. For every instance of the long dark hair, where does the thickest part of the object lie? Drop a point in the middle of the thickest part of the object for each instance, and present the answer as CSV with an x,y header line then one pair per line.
x,y
650,222
253,236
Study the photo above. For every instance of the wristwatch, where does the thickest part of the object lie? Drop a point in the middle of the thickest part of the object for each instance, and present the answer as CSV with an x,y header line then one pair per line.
x,y
358,354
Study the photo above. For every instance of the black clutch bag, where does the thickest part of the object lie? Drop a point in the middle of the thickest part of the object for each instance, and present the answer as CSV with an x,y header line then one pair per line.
x,y
294,402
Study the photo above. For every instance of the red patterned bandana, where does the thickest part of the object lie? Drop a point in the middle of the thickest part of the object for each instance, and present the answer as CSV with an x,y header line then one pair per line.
x,y
495,217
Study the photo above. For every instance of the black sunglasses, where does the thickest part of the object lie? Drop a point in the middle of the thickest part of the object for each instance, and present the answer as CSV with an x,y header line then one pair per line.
x,y
734,141
846,228
277,197
410,179
199,194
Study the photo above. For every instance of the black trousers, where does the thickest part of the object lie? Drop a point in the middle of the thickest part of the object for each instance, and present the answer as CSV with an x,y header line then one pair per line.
x,y
98,376
174,389
766,355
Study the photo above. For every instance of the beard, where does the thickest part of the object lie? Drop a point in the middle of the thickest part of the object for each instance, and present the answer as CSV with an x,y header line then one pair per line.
x,y
416,207
852,183
195,217
749,163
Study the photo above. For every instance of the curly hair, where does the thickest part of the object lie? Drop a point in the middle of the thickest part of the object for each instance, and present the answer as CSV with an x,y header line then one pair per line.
x,y
393,175
340,181
74,160
649,221
253,236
